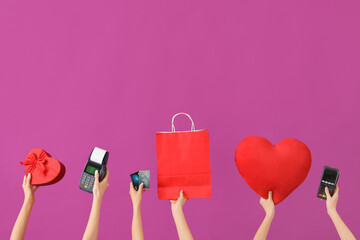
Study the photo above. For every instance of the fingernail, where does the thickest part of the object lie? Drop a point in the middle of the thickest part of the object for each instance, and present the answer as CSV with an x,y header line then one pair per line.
x,y
28,174
96,171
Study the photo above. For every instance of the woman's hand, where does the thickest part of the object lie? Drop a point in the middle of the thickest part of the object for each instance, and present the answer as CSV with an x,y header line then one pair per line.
x,y
136,196
29,190
269,208
331,201
92,228
268,205
179,203
100,187
179,217
19,228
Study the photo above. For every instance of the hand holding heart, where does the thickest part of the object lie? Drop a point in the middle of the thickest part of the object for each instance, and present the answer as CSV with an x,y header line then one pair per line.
x,y
268,205
279,168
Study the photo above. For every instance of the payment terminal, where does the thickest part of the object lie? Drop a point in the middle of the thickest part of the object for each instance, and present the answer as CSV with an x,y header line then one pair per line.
x,y
97,161
329,179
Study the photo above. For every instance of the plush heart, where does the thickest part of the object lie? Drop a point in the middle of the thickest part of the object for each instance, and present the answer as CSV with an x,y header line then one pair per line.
x,y
44,169
279,168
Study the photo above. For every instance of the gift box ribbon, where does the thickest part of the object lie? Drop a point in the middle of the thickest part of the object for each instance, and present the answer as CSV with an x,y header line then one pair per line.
x,y
35,162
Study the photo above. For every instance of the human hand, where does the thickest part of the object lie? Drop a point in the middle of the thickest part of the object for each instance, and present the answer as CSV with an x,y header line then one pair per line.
x,y
136,196
29,190
331,201
100,187
179,203
268,205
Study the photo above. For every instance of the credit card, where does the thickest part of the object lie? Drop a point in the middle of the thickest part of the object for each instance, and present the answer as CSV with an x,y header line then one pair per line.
x,y
141,177
135,180
144,177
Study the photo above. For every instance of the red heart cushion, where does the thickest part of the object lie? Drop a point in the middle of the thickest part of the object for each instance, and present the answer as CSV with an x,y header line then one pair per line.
x,y
279,168
44,169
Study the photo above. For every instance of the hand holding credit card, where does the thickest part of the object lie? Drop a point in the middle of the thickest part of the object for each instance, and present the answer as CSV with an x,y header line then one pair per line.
x,y
141,177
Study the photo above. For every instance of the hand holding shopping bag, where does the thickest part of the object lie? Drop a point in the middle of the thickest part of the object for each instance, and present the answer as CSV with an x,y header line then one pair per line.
x,y
183,163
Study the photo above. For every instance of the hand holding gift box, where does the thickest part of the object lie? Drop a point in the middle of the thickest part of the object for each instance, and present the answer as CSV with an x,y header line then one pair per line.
x,y
44,169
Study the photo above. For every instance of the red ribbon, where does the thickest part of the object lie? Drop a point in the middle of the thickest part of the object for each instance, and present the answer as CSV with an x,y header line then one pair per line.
x,y
35,162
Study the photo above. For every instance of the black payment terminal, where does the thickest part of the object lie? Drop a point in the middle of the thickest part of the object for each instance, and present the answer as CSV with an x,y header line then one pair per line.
x,y
97,161
329,179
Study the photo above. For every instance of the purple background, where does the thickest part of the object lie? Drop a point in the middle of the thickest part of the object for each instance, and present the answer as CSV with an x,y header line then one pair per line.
x,y
79,74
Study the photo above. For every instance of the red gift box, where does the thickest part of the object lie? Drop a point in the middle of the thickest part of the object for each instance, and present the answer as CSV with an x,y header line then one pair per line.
x,y
44,169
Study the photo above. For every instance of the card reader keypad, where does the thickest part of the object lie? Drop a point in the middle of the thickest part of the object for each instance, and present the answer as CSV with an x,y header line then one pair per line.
x,y
87,180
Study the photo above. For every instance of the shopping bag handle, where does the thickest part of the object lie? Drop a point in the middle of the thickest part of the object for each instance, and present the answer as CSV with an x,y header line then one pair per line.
x,y
172,121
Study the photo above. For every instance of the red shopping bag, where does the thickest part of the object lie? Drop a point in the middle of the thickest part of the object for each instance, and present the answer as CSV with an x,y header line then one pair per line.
x,y
183,163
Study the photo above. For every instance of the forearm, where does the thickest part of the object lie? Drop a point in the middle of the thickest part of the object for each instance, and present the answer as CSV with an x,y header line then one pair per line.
x,y
19,228
92,228
263,230
181,225
136,227
343,231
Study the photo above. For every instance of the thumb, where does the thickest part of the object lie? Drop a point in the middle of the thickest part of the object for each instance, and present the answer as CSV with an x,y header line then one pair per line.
x,y
141,187
327,193
96,177
270,195
28,179
181,194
